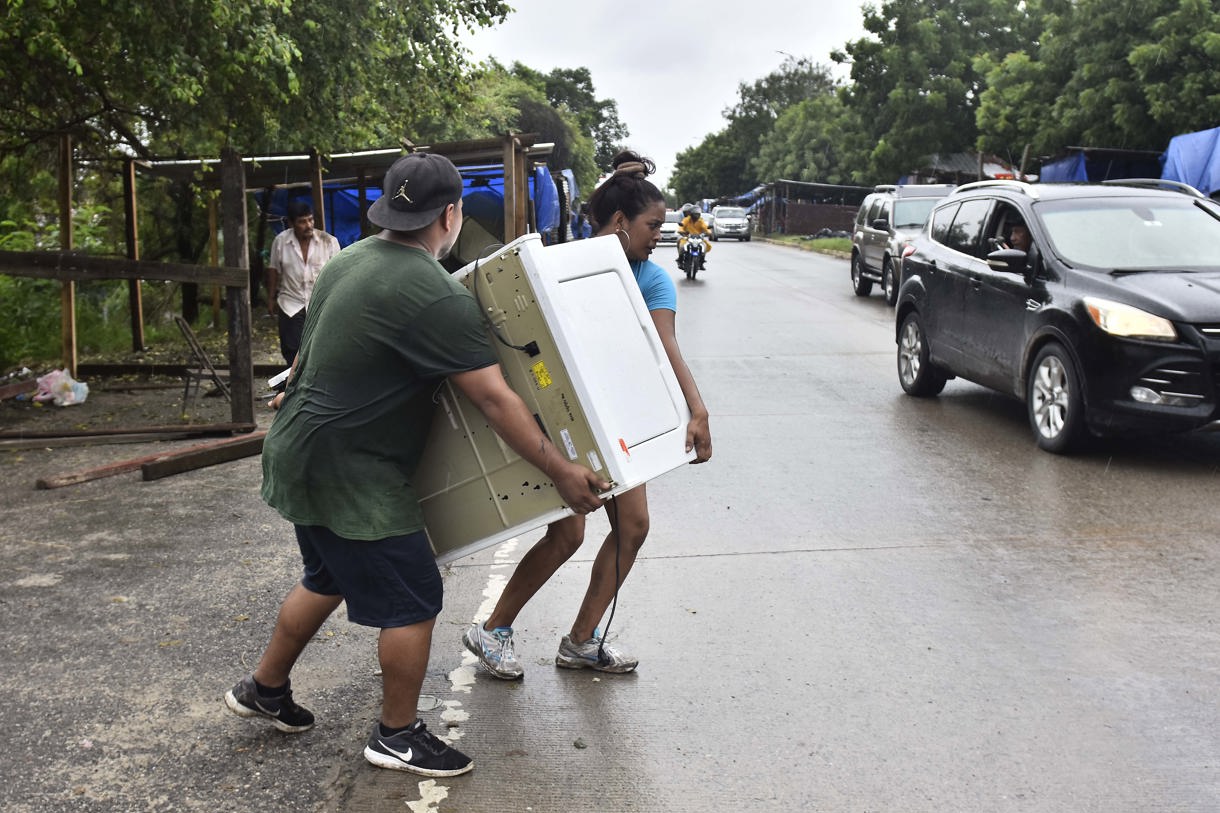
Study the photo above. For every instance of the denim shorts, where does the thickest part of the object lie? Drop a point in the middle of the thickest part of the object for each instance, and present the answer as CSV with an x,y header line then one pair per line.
x,y
392,582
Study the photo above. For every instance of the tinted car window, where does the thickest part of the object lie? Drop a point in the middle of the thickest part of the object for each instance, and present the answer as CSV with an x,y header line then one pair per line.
x,y
911,213
967,229
1132,233
941,221
874,211
861,215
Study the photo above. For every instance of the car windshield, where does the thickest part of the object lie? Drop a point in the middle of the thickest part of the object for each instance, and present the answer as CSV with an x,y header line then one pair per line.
x,y
723,212
1132,233
912,213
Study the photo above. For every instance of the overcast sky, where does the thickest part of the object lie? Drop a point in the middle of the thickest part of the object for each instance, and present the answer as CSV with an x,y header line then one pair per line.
x,y
673,68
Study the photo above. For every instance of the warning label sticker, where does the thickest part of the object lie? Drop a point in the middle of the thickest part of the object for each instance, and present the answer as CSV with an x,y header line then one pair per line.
x,y
541,376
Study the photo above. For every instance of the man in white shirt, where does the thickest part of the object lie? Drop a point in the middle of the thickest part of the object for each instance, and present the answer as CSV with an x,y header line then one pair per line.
x,y
297,257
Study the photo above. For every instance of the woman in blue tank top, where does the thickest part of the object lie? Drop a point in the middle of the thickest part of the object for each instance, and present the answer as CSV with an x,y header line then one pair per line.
x,y
627,205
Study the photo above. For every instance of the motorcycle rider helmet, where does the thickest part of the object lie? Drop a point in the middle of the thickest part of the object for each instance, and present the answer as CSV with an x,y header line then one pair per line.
x,y
686,207
694,213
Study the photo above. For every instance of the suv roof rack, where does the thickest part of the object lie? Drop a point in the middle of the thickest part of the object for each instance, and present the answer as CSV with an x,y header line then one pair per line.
x,y
1003,183
923,190
1156,183
884,187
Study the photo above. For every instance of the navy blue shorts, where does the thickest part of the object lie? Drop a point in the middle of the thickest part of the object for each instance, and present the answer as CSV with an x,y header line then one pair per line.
x,y
392,582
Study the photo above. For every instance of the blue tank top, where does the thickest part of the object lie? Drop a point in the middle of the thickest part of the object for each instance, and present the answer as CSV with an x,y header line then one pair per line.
x,y
656,286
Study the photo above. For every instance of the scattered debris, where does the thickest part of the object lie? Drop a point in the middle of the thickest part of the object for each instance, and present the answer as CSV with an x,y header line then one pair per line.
x,y
60,388
163,464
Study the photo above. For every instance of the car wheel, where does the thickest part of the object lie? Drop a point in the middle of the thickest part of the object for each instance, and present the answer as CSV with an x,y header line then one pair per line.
x,y
1054,401
888,283
917,374
746,238
862,286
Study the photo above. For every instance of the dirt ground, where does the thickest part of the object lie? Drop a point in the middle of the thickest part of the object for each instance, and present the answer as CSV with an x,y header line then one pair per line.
x,y
130,606
134,401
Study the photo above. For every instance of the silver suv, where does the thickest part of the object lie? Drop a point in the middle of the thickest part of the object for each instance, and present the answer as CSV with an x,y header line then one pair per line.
x,y
730,221
887,220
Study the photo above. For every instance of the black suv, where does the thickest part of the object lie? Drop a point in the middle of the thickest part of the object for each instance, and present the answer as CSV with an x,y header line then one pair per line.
x,y
1098,305
887,219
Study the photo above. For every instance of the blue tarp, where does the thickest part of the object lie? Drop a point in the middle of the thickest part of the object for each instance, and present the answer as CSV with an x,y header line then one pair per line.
x,y
573,189
546,200
1194,158
483,198
1065,170
750,199
1096,165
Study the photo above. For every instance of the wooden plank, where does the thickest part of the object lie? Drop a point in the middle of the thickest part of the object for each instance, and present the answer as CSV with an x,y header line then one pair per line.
x,y
135,298
93,440
191,459
132,464
67,290
85,475
17,388
315,181
198,428
104,369
237,255
68,266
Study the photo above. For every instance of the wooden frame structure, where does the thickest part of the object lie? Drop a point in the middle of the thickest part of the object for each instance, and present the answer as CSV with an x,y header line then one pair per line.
x,y
70,268
234,175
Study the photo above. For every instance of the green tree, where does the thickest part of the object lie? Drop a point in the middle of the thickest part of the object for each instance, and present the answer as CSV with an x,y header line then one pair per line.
x,y
504,100
915,86
597,119
808,143
586,130
1101,101
1179,67
203,74
722,164
713,168
1013,108
1106,74
573,149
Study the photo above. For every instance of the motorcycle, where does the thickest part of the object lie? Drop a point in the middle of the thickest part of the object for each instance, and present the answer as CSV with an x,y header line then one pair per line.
x,y
691,249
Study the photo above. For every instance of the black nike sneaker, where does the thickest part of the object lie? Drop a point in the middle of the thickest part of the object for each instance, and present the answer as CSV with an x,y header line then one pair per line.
x,y
245,701
417,750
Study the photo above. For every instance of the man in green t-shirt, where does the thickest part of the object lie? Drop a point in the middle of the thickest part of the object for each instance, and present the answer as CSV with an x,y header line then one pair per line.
x,y
386,326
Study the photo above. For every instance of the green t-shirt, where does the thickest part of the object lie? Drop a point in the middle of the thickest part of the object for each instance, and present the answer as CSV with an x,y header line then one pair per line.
x,y
386,325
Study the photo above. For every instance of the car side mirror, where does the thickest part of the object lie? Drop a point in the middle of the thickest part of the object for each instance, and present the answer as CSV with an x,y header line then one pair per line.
x,y
1008,260
881,224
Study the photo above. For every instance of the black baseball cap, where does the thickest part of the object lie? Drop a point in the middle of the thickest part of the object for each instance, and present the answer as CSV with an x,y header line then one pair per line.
x,y
416,189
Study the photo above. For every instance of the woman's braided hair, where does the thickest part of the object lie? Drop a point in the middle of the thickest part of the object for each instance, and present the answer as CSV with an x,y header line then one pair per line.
x,y
628,190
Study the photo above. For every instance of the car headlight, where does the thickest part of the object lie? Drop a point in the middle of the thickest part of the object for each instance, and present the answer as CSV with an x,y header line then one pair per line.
x,y
1118,319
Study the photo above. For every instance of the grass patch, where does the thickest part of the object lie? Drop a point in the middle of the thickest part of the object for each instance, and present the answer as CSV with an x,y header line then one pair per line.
x,y
826,245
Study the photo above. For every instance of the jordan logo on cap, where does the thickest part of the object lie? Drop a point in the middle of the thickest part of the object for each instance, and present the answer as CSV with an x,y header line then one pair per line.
x,y
402,193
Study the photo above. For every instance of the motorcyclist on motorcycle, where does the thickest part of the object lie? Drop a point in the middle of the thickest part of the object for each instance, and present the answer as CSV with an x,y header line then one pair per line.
x,y
691,225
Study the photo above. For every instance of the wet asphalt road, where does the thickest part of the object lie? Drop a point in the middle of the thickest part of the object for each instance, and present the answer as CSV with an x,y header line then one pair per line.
x,y
865,602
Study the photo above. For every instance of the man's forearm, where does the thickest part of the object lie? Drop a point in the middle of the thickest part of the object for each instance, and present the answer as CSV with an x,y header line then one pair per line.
x,y
273,285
